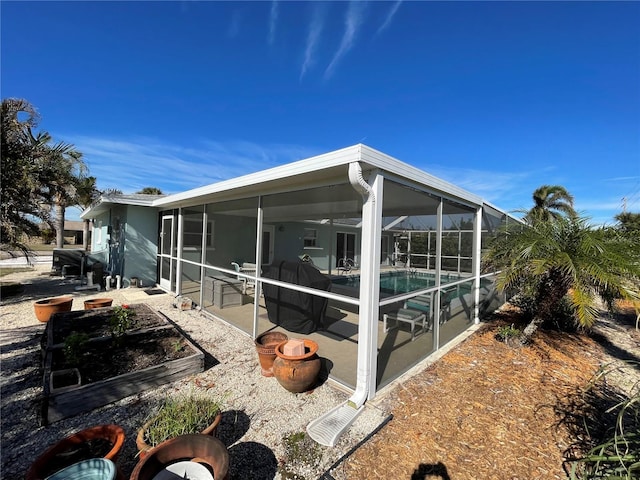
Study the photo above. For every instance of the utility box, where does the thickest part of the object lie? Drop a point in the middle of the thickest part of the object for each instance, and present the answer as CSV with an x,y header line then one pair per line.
x,y
73,258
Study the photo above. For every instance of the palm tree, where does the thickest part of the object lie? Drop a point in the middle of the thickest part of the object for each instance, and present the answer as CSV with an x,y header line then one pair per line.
x,y
565,259
65,169
86,194
550,202
21,176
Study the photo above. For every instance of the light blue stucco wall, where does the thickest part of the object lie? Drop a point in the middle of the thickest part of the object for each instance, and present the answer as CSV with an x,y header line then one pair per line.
x,y
140,245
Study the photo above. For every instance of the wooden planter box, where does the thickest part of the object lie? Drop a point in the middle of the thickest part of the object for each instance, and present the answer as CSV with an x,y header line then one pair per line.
x,y
88,396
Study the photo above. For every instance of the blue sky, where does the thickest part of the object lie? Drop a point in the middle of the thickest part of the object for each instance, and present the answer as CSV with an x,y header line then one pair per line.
x,y
497,97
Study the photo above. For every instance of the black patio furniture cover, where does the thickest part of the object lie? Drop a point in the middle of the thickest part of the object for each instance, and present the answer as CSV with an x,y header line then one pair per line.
x,y
295,311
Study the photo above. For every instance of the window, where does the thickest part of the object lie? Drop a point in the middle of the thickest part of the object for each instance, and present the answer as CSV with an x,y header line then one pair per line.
x,y
193,233
310,236
98,229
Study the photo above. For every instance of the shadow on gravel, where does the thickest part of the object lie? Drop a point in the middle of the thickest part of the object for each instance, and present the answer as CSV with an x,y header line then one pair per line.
x,y
252,461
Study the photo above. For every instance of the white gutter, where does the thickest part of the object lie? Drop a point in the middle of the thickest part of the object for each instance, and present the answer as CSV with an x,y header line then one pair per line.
x,y
328,428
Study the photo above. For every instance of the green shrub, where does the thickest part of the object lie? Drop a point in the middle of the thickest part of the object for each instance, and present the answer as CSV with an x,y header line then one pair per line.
x,y
74,347
121,320
506,332
617,455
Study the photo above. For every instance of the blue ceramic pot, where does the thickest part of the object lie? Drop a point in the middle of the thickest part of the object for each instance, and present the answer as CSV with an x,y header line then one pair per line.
x,y
92,469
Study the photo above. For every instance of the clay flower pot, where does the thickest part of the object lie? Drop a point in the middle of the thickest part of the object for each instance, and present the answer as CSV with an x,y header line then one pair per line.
x,y
144,447
266,347
72,449
205,450
297,373
48,306
97,303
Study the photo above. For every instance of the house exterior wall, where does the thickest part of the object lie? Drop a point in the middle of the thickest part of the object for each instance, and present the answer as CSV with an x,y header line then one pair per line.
x,y
140,245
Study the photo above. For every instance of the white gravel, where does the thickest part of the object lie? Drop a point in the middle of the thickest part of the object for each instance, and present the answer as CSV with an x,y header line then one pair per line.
x,y
258,412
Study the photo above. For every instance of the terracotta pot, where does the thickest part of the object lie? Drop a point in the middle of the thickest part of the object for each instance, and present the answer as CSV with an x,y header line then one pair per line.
x,y
67,451
97,303
297,373
144,447
202,449
266,347
48,306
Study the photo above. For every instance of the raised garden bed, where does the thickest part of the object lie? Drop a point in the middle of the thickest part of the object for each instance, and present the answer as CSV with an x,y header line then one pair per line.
x,y
153,353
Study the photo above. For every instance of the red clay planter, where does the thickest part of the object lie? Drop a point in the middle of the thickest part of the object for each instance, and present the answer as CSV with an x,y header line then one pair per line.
x,y
297,373
48,306
144,447
109,438
266,347
203,449
97,303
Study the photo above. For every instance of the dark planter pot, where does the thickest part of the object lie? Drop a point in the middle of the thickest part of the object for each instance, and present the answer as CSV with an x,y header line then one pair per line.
x,y
266,347
48,306
144,447
72,449
97,303
297,373
203,449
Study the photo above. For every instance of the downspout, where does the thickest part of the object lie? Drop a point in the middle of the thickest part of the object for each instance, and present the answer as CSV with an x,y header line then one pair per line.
x,y
364,366
327,429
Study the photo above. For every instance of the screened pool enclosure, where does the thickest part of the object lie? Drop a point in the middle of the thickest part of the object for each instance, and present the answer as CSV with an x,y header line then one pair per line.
x,y
401,251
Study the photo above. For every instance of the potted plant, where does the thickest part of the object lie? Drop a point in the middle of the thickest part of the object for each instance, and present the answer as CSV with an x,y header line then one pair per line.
x,y
180,415
102,441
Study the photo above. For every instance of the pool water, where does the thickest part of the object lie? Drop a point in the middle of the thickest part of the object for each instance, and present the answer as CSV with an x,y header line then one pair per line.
x,y
395,283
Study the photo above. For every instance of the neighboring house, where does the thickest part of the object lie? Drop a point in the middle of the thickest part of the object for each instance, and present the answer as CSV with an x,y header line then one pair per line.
x,y
73,232
402,249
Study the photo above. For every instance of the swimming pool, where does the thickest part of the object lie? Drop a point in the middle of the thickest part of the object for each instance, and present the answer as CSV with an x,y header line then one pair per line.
x,y
395,283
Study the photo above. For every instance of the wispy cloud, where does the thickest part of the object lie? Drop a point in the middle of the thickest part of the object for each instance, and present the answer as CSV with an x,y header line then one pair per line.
x,y
273,20
510,191
132,164
353,21
392,11
313,37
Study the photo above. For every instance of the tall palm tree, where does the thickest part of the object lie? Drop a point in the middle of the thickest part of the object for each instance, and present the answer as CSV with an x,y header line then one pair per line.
x,y
550,202
65,169
86,194
565,258
21,176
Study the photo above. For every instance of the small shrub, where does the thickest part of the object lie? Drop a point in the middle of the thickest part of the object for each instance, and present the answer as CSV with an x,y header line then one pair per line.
x,y
617,454
122,319
507,332
301,454
74,346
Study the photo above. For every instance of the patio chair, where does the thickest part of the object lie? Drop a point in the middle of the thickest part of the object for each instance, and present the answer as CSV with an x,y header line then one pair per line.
x,y
238,269
406,315
345,265
423,304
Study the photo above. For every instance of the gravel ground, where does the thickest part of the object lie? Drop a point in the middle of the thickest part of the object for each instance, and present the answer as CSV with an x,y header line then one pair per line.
x,y
258,413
